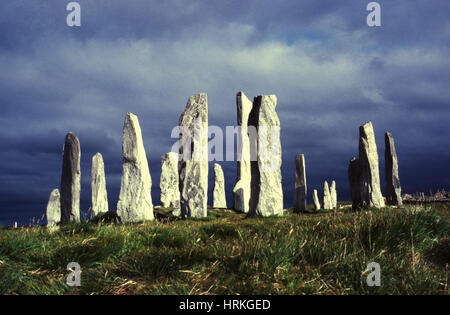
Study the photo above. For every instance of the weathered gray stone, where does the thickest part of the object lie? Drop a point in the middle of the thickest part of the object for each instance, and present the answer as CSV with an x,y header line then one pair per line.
x,y
300,192
393,188
327,203
70,180
99,194
266,190
364,173
53,209
242,189
219,198
193,165
333,194
316,200
169,182
135,200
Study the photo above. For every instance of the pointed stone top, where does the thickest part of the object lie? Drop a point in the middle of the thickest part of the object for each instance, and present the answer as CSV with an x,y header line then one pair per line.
x,y
98,155
333,184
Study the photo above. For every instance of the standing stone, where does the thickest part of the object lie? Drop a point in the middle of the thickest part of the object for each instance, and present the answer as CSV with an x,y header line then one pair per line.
x,y
327,203
70,180
316,200
242,190
53,209
333,194
98,186
370,173
266,189
364,173
169,184
219,199
393,188
354,176
300,184
135,200
193,165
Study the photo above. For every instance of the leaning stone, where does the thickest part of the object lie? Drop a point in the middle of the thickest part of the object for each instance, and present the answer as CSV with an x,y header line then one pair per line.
x,y
370,173
70,180
53,209
219,199
98,186
327,203
169,183
266,189
393,188
242,190
300,192
333,194
193,165
316,200
135,200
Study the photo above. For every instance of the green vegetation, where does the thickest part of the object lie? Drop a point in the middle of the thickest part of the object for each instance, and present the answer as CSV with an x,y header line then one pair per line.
x,y
227,253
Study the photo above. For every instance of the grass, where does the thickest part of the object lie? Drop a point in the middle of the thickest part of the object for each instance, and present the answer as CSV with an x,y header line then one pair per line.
x,y
227,253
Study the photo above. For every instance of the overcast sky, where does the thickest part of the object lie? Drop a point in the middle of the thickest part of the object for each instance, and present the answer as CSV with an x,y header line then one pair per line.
x,y
330,72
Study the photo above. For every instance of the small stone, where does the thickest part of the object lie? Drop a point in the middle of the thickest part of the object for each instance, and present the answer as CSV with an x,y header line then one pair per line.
x,y
316,200
169,182
54,209
219,199
393,188
70,180
98,186
135,200
300,192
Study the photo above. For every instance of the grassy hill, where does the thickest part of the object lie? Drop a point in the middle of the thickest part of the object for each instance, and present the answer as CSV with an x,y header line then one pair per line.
x,y
227,253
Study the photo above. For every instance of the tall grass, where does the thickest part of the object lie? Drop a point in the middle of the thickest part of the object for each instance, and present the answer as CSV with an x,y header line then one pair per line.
x,y
314,253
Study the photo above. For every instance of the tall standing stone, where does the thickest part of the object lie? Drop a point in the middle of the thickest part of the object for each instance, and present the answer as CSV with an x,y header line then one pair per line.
x,y
98,186
333,194
219,198
266,189
316,200
169,183
70,180
364,174
193,166
354,176
135,200
53,209
242,189
300,192
327,203
393,188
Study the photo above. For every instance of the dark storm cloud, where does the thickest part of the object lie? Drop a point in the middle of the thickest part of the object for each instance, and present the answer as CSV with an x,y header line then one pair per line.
x,y
330,71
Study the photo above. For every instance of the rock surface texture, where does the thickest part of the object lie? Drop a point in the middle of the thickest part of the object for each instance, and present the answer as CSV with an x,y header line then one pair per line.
x,y
364,174
266,189
53,209
135,200
98,186
193,166
393,188
219,198
327,203
316,200
70,180
242,189
300,192
169,183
